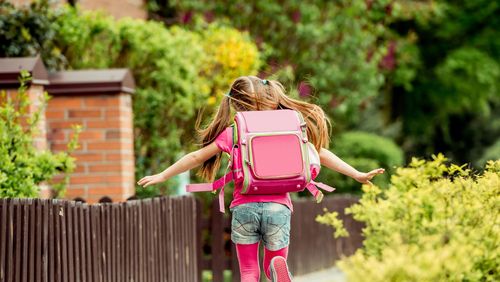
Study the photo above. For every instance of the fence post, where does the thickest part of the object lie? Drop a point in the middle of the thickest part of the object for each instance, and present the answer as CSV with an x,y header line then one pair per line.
x,y
199,234
218,260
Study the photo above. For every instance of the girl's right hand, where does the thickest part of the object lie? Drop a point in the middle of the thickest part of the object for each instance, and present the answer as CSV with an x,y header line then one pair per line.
x,y
151,179
365,177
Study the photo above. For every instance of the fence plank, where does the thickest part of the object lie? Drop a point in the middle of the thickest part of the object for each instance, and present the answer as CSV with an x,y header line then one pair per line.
x,y
171,242
42,242
116,220
79,242
17,239
199,241
64,248
3,237
95,246
166,239
135,242
87,233
70,257
154,217
126,243
51,235
148,240
217,243
30,271
235,267
10,241
26,232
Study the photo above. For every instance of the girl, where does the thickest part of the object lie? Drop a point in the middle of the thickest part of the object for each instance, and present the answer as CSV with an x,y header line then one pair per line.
x,y
258,218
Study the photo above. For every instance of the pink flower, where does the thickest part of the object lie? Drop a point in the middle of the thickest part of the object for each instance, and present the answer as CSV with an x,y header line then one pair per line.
x,y
209,16
388,62
296,16
186,17
304,89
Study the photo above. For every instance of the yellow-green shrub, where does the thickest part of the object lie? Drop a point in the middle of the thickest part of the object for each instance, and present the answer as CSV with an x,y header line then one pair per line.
x,y
435,222
230,54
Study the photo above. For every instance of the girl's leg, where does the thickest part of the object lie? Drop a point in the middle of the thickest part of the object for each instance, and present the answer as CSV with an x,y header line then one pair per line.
x,y
269,255
248,258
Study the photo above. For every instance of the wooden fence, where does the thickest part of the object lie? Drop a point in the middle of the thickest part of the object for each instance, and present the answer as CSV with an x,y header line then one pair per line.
x,y
160,239
51,240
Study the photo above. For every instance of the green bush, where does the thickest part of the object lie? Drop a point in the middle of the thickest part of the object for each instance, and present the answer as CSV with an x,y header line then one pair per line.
x,y
364,151
357,144
86,39
22,166
436,222
28,32
491,153
177,72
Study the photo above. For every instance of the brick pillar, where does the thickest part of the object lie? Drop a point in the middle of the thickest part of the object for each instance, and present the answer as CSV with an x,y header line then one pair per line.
x,y
99,101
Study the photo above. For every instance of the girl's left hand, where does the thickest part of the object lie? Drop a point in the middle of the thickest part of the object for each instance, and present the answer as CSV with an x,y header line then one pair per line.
x,y
365,177
151,179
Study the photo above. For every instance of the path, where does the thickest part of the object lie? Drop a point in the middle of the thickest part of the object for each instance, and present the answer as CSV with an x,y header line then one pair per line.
x,y
328,275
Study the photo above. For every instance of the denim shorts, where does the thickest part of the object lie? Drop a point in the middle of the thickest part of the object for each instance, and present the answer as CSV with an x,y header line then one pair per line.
x,y
266,221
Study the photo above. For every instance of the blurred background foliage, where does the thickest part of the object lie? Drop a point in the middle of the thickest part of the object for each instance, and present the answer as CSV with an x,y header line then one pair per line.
x,y
424,73
397,78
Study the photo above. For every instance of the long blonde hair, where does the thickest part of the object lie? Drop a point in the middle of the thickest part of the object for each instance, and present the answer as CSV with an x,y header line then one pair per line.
x,y
250,93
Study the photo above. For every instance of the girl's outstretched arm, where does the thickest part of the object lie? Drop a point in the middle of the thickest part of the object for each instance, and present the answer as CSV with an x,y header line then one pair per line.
x,y
187,162
331,161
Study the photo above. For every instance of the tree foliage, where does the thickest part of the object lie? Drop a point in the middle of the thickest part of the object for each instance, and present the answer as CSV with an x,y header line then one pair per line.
x,y
431,67
330,45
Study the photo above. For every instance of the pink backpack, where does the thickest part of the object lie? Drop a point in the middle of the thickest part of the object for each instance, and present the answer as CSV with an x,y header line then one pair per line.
x,y
271,154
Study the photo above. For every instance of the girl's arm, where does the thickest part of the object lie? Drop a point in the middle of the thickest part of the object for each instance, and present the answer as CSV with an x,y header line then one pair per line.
x,y
331,161
187,162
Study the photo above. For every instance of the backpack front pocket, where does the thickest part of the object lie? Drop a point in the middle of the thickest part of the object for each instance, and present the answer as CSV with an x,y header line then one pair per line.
x,y
276,156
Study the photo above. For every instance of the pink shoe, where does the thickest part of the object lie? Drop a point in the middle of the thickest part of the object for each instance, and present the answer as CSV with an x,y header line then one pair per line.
x,y
279,270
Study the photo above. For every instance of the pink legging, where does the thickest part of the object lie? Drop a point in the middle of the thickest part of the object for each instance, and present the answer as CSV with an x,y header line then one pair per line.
x,y
248,258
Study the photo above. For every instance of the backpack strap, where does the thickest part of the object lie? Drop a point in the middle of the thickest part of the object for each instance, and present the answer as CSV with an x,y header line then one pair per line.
x,y
313,186
235,133
219,183
212,187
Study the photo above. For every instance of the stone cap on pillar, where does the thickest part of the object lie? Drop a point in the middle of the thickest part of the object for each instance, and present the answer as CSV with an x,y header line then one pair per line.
x,y
91,81
80,82
10,68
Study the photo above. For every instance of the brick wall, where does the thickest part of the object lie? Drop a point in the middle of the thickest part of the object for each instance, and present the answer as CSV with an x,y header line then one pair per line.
x,y
105,159
116,8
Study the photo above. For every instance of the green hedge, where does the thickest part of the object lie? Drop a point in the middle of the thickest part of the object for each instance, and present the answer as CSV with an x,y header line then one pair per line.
x,y
435,222
491,153
364,151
